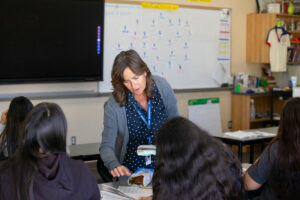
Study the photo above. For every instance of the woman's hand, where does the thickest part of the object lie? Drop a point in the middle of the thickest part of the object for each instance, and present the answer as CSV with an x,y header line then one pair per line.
x,y
120,171
3,117
145,198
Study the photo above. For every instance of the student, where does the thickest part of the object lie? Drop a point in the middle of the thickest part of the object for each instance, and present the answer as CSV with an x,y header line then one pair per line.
x,y
193,165
12,121
277,170
40,169
140,104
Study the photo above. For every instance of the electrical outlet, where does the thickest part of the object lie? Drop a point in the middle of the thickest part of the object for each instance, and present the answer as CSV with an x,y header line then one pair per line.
x,y
229,125
73,140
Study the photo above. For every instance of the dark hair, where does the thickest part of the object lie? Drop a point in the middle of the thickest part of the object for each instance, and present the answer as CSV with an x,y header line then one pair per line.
x,y
288,157
132,60
193,165
45,128
18,109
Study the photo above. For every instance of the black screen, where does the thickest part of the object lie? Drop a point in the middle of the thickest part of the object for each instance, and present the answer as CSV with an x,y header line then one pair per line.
x,y
51,40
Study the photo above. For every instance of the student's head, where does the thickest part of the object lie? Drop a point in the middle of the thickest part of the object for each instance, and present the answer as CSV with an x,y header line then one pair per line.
x,y
44,135
18,109
45,130
283,179
193,165
289,129
130,73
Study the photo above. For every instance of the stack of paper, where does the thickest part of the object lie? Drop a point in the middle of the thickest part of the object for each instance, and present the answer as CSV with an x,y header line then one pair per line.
x,y
123,192
111,193
249,134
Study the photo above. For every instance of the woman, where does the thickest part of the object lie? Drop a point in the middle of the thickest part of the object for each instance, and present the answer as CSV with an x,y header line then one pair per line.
x,y
193,165
139,105
278,168
40,169
12,121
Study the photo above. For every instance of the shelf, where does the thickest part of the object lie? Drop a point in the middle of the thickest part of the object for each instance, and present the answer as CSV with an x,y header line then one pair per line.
x,y
288,16
293,42
260,120
294,32
292,63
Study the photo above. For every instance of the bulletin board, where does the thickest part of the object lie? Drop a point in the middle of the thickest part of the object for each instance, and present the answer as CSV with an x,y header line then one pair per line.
x,y
189,46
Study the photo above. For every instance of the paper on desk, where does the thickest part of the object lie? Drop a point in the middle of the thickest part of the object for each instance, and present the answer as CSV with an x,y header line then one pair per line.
x,y
248,134
110,193
135,192
123,192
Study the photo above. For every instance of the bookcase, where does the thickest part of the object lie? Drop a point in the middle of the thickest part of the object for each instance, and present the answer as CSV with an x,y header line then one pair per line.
x,y
258,26
269,103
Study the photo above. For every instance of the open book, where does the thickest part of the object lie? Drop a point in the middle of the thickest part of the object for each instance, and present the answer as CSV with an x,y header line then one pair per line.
x,y
123,192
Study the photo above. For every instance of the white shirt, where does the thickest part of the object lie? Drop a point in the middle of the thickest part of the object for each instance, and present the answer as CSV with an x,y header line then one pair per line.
x,y
278,40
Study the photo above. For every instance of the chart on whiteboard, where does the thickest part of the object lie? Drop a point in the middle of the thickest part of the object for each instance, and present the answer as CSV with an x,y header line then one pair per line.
x,y
175,44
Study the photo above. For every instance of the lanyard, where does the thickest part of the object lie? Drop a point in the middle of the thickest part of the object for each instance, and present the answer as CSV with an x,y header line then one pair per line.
x,y
147,122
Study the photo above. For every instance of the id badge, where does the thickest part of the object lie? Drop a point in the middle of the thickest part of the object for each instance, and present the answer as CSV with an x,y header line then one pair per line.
x,y
148,160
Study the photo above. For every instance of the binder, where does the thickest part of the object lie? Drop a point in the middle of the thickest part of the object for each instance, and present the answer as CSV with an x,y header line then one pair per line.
x,y
205,113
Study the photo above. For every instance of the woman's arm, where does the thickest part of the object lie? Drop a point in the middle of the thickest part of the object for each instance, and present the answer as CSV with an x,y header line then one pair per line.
x,y
249,183
109,136
260,171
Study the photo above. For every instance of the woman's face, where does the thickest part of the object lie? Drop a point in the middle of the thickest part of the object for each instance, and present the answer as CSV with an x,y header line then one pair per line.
x,y
136,84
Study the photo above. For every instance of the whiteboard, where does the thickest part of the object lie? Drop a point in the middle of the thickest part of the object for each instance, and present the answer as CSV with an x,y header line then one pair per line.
x,y
189,47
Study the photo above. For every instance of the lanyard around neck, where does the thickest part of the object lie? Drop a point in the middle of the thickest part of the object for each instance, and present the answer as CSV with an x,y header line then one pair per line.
x,y
148,121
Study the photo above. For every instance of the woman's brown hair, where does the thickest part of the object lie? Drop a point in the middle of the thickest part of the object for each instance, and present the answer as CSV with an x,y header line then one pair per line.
x,y
132,60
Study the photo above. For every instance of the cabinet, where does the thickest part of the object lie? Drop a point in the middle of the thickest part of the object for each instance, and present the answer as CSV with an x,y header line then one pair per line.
x,y
258,26
267,103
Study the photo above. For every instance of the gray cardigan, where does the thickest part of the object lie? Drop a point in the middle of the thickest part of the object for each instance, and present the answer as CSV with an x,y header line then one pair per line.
x,y
115,134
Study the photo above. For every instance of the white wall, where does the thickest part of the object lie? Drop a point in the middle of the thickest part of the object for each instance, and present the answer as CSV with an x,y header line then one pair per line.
x,y
85,115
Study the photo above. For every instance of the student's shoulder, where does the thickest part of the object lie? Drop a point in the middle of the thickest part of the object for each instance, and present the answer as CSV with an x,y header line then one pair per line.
x,y
74,166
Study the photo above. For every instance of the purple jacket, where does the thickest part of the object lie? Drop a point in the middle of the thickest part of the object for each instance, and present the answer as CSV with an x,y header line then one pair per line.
x,y
58,178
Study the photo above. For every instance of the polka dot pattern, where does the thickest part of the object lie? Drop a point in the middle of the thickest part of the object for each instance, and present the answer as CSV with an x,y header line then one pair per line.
x,y
138,131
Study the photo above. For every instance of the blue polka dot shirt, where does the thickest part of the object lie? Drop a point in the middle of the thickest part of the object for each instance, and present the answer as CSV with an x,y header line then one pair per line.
x,y
138,131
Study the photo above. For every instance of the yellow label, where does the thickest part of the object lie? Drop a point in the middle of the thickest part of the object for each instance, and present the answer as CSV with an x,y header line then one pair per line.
x,y
223,52
206,1
159,6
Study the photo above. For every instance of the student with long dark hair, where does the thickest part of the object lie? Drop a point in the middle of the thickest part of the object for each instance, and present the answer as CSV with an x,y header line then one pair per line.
x,y
12,122
193,165
278,169
41,169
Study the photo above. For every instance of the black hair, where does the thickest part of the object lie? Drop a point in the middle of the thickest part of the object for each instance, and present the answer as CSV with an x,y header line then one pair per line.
x,y
193,165
44,133
285,174
18,109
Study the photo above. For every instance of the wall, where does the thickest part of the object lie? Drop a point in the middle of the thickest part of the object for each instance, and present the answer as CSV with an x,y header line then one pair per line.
x,y
85,115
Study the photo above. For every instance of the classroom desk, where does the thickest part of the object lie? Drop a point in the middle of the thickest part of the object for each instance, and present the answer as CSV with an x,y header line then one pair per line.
x,y
251,141
85,152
